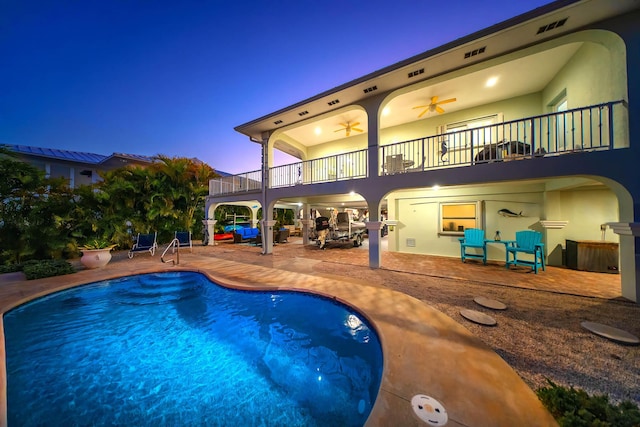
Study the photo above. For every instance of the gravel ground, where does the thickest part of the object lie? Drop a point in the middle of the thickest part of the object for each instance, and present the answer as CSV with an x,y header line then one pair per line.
x,y
539,334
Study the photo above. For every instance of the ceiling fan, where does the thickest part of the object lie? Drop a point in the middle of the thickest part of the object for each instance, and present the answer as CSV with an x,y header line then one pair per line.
x,y
434,105
349,127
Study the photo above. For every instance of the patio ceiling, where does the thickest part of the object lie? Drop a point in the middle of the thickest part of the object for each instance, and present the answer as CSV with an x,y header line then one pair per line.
x,y
522,76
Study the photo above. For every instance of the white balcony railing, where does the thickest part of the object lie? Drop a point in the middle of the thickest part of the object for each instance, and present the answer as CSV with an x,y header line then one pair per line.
x,y
340,167
244,182
597,127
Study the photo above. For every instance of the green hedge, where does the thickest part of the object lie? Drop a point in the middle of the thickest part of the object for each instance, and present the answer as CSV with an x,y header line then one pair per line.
x,y
575,408
46,268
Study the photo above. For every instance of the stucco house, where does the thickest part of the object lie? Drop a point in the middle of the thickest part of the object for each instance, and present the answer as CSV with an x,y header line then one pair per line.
x,y
79,167
536,116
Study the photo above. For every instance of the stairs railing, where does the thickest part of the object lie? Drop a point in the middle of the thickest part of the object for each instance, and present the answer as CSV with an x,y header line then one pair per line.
x,y
175,244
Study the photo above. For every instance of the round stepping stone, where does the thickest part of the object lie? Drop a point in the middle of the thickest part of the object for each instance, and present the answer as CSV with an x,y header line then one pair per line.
x,y
478,317
611,333
490,303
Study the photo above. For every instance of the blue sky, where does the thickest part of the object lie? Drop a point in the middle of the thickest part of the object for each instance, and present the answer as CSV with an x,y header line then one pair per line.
x,y
175,77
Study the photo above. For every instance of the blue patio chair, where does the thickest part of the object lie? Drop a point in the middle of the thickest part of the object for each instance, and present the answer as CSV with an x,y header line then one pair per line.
x,y
527,242
473,238
184,239
144,242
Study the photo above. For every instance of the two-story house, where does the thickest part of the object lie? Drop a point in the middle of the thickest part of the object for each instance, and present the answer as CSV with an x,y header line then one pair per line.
x,y
532,123
78,167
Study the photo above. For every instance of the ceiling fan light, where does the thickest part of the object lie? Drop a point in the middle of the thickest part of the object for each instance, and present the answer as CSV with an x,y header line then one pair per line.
x,y
491,82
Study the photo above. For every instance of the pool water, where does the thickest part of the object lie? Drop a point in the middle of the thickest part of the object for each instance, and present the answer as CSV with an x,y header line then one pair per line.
x,y
177,349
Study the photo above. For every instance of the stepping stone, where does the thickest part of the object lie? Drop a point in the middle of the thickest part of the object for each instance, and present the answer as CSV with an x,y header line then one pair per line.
x,y
490,303
611,333
478,317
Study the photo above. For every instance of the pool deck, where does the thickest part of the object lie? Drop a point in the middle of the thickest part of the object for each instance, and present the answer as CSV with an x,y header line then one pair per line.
x,y
425,351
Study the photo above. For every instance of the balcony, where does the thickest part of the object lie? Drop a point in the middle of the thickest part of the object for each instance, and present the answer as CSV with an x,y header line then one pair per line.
x,y
593,128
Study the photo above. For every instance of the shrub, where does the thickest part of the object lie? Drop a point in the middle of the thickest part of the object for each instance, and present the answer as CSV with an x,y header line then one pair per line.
x,y
10,268
47,268
574,407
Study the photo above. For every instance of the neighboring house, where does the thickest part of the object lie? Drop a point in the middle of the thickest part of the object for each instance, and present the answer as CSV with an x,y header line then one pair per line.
x,y
78,167
538,115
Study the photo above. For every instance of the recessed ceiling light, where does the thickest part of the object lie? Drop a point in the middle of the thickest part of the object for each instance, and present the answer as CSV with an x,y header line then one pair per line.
x,y
435,187
318,130
491,82
352,193
386,111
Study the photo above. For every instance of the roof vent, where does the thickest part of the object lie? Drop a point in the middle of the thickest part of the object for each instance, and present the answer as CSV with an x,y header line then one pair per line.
x,y
277,122
334,102
370,89
474,52
303,113
552,25
416,72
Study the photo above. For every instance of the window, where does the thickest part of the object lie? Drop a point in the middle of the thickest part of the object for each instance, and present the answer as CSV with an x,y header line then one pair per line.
x,y
456,217
559,131
461,132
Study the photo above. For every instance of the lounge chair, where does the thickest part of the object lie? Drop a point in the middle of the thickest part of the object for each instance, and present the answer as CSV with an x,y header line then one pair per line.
x,y
473,238
145,242
527,242
184,239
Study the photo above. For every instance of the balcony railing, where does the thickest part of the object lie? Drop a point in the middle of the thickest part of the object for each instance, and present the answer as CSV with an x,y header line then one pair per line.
x,y
597,127
244,182
580,129
340,167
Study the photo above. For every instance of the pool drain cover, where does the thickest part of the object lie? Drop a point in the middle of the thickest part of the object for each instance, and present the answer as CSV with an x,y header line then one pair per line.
x,y
429,410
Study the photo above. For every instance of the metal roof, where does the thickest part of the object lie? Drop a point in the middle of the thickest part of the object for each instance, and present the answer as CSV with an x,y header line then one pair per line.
x,y
74,156
83,157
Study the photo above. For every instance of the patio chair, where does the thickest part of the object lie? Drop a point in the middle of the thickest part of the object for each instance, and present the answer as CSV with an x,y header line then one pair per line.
x,y
184,239
282,236
144,242
474,239
527,242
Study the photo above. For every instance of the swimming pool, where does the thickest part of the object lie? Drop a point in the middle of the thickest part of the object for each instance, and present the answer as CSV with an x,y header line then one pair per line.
x,y
177,349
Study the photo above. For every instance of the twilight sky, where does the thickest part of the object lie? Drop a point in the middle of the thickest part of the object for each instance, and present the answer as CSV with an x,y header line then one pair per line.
x,y
175,77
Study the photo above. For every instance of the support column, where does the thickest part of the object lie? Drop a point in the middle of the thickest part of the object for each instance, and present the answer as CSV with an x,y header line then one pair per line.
x,y
307,224
629,257
375,251
267,236
209,225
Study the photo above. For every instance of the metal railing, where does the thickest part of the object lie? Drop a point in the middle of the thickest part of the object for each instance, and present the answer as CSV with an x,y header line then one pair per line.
x,y
175,244
581,129
352,165
597,127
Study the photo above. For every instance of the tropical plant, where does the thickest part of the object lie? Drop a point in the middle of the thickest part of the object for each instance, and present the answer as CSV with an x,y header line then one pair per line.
x,y
34,214
99,244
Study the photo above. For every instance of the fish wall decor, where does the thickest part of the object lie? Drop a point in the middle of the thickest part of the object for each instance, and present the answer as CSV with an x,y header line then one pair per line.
x,y
508,213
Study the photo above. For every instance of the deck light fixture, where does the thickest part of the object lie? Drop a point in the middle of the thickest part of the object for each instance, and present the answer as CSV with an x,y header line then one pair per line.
x,y
491,82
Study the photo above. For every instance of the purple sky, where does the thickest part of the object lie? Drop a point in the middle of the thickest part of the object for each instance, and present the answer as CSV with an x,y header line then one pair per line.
x,y
175,77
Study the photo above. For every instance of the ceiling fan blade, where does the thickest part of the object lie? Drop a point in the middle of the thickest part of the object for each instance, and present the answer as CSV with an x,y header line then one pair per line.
x,y
348,132
447,101
439,109
420,106
357,130
434,99
339,130
422,114
354,124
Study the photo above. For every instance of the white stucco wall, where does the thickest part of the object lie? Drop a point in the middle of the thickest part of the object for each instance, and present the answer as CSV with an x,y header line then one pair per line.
x,y
418,213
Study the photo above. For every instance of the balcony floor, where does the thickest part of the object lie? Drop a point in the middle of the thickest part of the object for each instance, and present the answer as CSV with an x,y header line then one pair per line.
x,y
539,335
